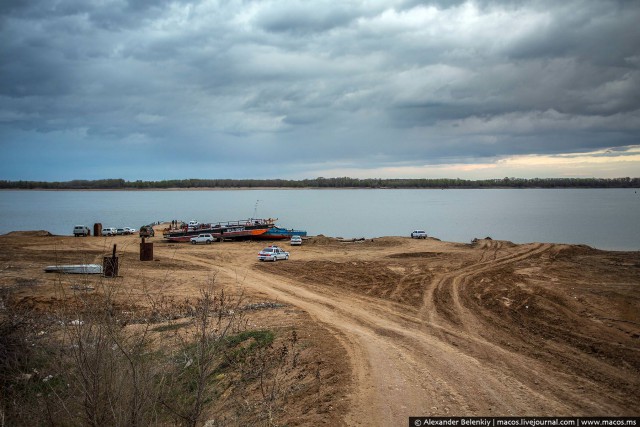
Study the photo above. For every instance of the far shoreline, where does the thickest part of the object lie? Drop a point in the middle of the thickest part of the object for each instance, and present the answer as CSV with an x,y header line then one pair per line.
x,y
320,183
315,188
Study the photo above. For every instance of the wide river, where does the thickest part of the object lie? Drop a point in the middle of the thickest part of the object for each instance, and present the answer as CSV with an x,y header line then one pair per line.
x,y
602,218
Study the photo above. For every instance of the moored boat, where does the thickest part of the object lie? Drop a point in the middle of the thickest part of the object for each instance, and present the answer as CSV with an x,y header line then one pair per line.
x,y
229,230
279,233
250,229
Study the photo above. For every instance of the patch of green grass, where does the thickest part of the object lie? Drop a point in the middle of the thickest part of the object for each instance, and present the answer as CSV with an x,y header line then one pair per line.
x,y
233,348
262,338
238,348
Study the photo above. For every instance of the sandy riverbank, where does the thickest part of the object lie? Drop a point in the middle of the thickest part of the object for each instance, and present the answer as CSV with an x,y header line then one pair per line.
x,y
401,327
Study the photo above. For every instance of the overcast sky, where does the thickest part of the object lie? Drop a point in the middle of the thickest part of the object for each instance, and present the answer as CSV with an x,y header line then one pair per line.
x,y
153,89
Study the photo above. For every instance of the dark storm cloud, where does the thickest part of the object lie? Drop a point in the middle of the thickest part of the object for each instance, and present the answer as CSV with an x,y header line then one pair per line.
x,y
603,33
303,18
266,86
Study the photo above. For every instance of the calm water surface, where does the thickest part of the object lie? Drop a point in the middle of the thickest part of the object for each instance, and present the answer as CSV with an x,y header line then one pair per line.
x,y
602,218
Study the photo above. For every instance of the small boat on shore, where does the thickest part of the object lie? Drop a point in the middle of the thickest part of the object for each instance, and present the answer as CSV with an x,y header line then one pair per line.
x,y
75,269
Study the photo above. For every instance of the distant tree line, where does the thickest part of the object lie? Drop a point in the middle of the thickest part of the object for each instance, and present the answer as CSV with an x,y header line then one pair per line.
x,y
344,182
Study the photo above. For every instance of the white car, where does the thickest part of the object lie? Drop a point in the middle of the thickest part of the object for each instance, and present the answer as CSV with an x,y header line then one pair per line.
x,y
205,238
418,234
129,230
109,231
272,253
296,241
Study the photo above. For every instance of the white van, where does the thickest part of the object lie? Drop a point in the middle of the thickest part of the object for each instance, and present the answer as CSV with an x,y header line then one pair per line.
x,y
81,230
109,231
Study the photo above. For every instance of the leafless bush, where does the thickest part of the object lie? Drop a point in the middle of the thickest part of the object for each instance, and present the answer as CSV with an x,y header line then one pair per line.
x,y
198,353
19,332
104,371
267,377
98,359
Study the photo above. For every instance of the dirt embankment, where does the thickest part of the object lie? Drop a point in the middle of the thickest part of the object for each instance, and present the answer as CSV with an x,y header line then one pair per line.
x,y
404,327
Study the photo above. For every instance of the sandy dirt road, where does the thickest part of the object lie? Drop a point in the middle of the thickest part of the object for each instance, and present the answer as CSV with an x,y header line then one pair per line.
x,y
442,354
436,328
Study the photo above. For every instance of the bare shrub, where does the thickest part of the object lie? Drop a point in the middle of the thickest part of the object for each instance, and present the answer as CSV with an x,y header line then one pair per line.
x,y
268,373
99,359
106,370
20,330
198,353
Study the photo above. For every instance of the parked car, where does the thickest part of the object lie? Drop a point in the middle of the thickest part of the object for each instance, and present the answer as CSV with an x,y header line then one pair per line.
x,y
81,230
418,234
109,231
120,231
272,253
203,238
147,231
129,230
296,241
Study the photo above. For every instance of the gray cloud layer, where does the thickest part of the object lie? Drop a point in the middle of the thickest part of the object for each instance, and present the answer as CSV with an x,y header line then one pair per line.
x,y
161,89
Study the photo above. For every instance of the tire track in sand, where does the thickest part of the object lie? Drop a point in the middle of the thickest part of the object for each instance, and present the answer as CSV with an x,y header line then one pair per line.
x,y
450,282
404,366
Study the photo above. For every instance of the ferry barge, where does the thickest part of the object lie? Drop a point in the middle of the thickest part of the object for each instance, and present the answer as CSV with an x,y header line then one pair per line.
x,y
263,229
